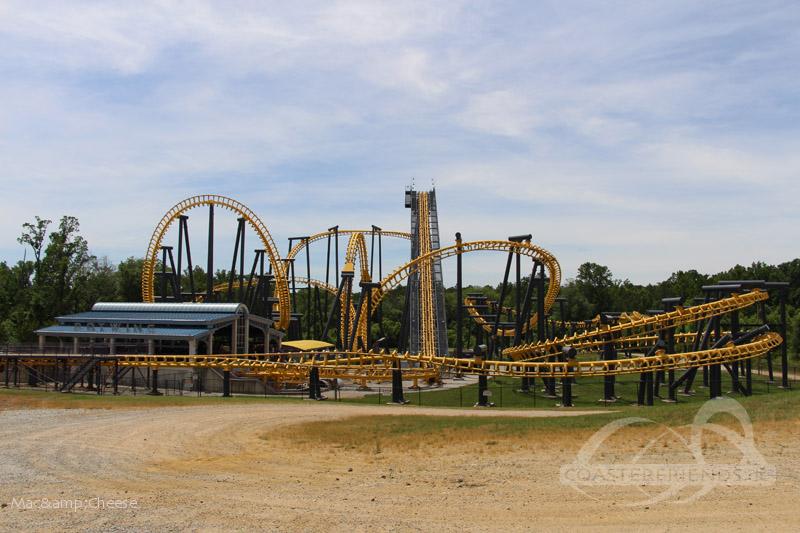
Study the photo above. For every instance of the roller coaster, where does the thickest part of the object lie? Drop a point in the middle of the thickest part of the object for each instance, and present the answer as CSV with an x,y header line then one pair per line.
x,y
522,340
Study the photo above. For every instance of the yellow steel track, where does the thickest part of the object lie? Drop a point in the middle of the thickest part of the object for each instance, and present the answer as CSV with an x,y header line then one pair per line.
x,y
469,303
634,342
340,364
630,332
356,250
602,334
148,270
222,287
360,364
537,253
297,248
426,295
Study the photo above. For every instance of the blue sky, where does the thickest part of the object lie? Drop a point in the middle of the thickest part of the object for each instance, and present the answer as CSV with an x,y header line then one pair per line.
x,y
647,136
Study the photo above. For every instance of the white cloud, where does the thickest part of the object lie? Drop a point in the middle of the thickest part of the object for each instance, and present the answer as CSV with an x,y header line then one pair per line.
x,y
366,22
605,130
729,163
408,68
500,113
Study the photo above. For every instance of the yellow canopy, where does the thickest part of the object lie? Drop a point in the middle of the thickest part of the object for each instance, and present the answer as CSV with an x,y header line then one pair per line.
x,y
309,345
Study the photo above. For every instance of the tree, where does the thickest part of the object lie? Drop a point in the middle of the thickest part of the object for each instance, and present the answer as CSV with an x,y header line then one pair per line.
x,y
684,284
65,259
34,236
129,280
17,319
595,283
793,332
95,283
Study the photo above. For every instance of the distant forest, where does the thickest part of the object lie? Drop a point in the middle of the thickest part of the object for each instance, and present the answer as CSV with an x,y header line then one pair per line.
x,y
61,276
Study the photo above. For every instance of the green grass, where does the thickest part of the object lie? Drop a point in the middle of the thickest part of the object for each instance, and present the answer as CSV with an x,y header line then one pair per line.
x,y
375,433
31,398
767,401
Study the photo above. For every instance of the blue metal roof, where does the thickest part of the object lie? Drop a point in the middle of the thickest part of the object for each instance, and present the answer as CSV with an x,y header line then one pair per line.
x,y
133,317
124,332
137,307
144,320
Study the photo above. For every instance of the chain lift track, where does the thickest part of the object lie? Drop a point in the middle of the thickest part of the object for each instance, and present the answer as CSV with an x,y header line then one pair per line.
x,y
427,317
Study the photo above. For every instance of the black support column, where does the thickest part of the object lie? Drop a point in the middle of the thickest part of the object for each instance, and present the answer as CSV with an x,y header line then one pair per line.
x,y
669,334
226,383
154,383
609,354
483,381
569,358
397,383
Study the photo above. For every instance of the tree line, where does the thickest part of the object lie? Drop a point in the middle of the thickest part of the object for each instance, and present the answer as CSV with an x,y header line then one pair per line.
x,y
62,276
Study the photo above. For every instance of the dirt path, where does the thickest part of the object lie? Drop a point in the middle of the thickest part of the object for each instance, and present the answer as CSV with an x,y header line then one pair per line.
x,y
211,468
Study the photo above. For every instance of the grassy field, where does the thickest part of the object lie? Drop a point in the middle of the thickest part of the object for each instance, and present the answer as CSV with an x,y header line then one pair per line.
x,y
778,404
767,403
374,433
37,399
371,434
586,393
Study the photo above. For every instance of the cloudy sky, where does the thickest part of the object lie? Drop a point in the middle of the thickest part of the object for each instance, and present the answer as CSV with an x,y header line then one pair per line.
x,y
647,136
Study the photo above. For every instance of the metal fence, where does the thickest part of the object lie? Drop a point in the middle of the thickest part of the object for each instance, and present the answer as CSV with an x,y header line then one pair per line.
x,y
508,395
501,394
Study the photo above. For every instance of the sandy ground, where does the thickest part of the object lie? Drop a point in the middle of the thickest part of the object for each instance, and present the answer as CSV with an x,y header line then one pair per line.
x,y
236,467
